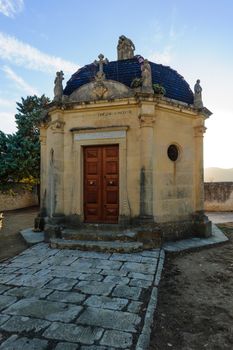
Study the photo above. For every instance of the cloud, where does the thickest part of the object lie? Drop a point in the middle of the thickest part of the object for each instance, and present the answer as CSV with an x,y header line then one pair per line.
x,y
10,8
20,83
4,102
22,54
163,57
7,122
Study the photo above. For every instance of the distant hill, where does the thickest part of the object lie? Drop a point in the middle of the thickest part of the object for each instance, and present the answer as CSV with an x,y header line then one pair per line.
x,y
218,175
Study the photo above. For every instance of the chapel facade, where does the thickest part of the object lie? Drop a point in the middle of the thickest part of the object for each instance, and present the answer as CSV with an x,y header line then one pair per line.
x,y
122,144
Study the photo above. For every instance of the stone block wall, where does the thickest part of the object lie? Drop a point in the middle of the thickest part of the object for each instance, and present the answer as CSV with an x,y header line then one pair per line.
x,y
17,199
218,196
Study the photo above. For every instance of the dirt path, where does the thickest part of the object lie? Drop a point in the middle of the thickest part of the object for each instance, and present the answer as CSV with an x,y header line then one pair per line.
x,y
11,242
195,308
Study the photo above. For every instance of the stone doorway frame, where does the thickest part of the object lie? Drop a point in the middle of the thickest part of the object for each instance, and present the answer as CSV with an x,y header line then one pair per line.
x,y
97,137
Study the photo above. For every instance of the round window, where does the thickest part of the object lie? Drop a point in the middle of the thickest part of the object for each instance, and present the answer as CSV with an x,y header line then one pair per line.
x,y
173,152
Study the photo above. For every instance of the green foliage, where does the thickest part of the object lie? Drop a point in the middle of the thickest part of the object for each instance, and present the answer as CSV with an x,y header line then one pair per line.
x,y
20,152
11,188
137,82
159,89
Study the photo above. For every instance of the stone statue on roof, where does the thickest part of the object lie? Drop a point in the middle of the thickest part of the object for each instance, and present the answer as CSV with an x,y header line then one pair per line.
x,y
125,48
58,88
146,77
198,95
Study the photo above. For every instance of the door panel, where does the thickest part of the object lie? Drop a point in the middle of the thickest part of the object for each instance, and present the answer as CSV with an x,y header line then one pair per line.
x,y
101,183
92,195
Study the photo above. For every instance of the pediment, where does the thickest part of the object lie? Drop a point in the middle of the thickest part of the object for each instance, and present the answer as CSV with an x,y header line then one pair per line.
x,y
101,90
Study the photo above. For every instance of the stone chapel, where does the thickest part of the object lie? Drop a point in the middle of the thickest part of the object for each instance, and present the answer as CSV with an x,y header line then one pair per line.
x,y
122,149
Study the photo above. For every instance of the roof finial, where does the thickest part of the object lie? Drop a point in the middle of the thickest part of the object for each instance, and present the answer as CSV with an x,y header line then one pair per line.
x,y
125,48
100,74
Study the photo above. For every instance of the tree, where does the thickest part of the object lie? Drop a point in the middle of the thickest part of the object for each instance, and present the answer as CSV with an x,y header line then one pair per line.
x,y
20,152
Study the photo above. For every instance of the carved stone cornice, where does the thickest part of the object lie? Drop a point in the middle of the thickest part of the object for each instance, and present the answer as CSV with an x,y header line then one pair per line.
x,y
147,120
57,125
199,130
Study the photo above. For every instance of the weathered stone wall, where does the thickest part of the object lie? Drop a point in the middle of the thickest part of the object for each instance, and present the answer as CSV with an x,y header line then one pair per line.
x,y
218,196
16,199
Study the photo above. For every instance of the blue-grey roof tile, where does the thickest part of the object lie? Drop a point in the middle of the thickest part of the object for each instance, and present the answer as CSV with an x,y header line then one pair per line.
x,y
125,71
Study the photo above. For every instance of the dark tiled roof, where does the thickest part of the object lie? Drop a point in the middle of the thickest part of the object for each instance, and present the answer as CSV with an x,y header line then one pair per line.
x,y
125,71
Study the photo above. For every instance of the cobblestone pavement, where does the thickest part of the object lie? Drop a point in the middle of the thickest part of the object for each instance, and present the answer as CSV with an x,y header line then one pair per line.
x,y
70,299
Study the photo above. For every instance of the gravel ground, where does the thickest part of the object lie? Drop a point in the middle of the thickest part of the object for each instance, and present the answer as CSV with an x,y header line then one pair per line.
x,y
195,306
11,242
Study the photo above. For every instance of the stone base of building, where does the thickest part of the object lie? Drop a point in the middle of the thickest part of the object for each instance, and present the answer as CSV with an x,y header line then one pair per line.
x,y
198,226
140,229
202,226
173,231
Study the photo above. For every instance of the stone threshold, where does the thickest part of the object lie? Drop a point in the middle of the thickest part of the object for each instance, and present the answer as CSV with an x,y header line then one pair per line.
x,y
98,246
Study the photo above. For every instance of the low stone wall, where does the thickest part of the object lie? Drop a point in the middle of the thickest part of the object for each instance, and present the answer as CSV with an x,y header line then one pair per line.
x,y
218,196
17,199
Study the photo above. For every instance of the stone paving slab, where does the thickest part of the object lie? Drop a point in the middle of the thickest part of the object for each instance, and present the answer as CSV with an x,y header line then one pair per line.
x,y
67,297
24,324
194,243
28,292
4,278
3,318
127,292
98,288
8,270
134,306
139,283
48,310
66,346
106,302
32,237
138,267
14,343
112,319
96,347
117,339
73,333
29,281
3,288
62,283
65,300
5,301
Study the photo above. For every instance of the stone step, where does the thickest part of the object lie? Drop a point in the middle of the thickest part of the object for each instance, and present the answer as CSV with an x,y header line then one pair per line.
x,y
98,246
96,235
102,227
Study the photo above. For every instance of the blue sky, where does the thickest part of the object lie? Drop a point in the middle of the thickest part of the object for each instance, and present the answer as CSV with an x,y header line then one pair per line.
x,y
37,38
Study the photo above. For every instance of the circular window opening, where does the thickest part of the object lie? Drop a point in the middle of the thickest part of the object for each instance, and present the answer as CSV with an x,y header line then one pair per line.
x,y
173,152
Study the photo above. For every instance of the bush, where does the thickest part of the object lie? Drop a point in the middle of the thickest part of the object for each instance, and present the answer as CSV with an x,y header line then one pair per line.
x,y
159,89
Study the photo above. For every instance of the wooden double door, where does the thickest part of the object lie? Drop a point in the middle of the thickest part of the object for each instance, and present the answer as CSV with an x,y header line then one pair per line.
x,y
101,184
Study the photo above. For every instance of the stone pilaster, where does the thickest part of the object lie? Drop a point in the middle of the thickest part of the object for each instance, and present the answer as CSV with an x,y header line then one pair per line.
x,y
146,177
202,225
57,127
39,221
43,168
199,176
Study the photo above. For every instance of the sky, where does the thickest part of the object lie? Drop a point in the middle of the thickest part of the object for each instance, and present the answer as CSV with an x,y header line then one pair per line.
x,y
39,37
